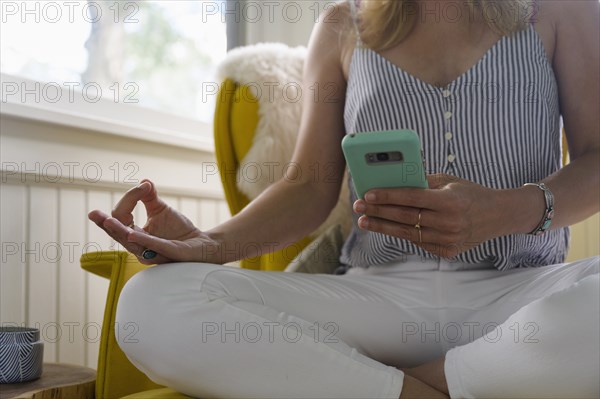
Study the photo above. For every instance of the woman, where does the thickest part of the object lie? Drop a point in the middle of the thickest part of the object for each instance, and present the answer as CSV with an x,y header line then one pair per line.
x,y
445,293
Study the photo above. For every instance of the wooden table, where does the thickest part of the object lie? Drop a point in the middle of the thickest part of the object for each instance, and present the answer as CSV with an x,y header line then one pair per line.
x,y
58,381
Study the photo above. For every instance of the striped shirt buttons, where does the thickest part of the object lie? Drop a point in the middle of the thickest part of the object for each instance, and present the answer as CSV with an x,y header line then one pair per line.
x,y
446,93
451,158
448,115
448,135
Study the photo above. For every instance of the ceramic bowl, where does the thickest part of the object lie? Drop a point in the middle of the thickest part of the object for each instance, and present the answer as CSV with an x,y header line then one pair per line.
x,y
21,354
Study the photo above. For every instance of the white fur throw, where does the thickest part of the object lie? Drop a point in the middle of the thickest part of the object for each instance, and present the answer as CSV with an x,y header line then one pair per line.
x,y
273,71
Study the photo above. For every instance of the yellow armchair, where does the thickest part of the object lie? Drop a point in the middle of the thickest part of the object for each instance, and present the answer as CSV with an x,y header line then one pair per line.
x,y
116,376
236,118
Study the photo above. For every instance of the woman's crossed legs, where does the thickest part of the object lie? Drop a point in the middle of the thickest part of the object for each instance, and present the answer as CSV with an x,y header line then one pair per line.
x,y
215,331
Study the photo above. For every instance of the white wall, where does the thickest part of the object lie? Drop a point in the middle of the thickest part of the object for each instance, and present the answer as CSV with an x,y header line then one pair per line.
x,y
286,21
585,239
51,177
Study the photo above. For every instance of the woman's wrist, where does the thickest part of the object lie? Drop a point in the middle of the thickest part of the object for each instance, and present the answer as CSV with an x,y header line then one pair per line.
x,y
212,249
521,209
546,220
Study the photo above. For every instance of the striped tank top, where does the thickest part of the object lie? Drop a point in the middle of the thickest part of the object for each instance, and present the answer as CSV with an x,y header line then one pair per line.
x,y
497,124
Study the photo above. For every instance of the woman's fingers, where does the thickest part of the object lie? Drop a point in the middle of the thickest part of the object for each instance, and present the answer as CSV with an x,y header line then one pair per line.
x,y
408,231
145,192
444,221
150,198
454,214
404,231
164,248
401,214
118,226
116,230
413,197
440,180
124,208
446,245
98,217
119,233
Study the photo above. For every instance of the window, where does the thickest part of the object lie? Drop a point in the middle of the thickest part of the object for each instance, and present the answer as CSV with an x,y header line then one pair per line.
x,y
157,55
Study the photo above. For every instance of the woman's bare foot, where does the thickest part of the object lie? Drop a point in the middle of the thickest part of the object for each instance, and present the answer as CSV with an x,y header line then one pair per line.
x,y
415,389
431,374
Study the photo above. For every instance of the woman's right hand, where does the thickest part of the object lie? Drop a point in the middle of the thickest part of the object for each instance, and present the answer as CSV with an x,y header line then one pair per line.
x,y
167,232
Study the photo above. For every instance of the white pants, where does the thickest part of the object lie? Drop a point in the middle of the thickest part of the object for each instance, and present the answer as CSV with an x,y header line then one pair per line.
x,y
216,331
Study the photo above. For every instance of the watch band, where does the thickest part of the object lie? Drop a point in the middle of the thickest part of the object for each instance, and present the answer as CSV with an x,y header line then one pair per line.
x,y
548,213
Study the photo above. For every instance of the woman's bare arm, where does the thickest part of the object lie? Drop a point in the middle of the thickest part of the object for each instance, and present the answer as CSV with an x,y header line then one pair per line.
x,y
290,208
577,67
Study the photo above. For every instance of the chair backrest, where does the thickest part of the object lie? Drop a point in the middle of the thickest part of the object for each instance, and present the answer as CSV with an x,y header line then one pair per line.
x,y
235,122
236,117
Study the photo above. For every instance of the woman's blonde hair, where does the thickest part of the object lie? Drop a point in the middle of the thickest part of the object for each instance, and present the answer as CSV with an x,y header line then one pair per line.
x,y
384,23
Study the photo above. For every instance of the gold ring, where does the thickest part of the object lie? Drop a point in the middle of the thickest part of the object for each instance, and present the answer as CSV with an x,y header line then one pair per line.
x,y
418,225
131,225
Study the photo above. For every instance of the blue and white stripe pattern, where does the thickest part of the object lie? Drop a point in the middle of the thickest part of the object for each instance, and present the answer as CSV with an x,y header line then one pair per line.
x,y
21,354
498,124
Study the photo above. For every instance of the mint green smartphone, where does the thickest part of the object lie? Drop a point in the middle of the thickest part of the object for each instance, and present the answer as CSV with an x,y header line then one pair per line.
x,y
386,159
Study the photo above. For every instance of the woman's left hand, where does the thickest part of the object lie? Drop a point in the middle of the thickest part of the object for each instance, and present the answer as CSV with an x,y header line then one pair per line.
x,y
455,214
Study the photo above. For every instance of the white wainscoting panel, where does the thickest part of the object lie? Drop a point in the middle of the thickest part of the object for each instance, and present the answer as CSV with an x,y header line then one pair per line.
x,y
45,230
42,255
13,211
96,287
71,278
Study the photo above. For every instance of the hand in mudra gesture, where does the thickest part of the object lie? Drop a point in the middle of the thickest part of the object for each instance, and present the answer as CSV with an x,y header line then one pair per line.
x,y
171,235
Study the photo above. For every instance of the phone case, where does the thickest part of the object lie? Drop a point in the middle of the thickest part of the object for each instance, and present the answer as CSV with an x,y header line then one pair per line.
x,y
385,159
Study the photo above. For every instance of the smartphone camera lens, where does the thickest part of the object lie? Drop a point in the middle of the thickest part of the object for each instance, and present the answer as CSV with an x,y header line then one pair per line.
x,y
383,156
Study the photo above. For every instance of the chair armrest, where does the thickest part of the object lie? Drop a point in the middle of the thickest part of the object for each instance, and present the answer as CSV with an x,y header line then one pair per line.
x,y
116,375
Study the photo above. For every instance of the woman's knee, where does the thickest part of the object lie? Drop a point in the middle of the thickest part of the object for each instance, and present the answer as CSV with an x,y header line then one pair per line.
x,y
161,298
553,341
588,266
179,297
157,284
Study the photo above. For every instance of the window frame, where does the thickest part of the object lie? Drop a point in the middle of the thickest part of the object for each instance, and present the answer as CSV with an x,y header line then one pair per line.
x,y
106,116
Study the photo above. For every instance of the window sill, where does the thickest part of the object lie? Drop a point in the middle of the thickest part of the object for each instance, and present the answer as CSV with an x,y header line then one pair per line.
x,y
27,99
